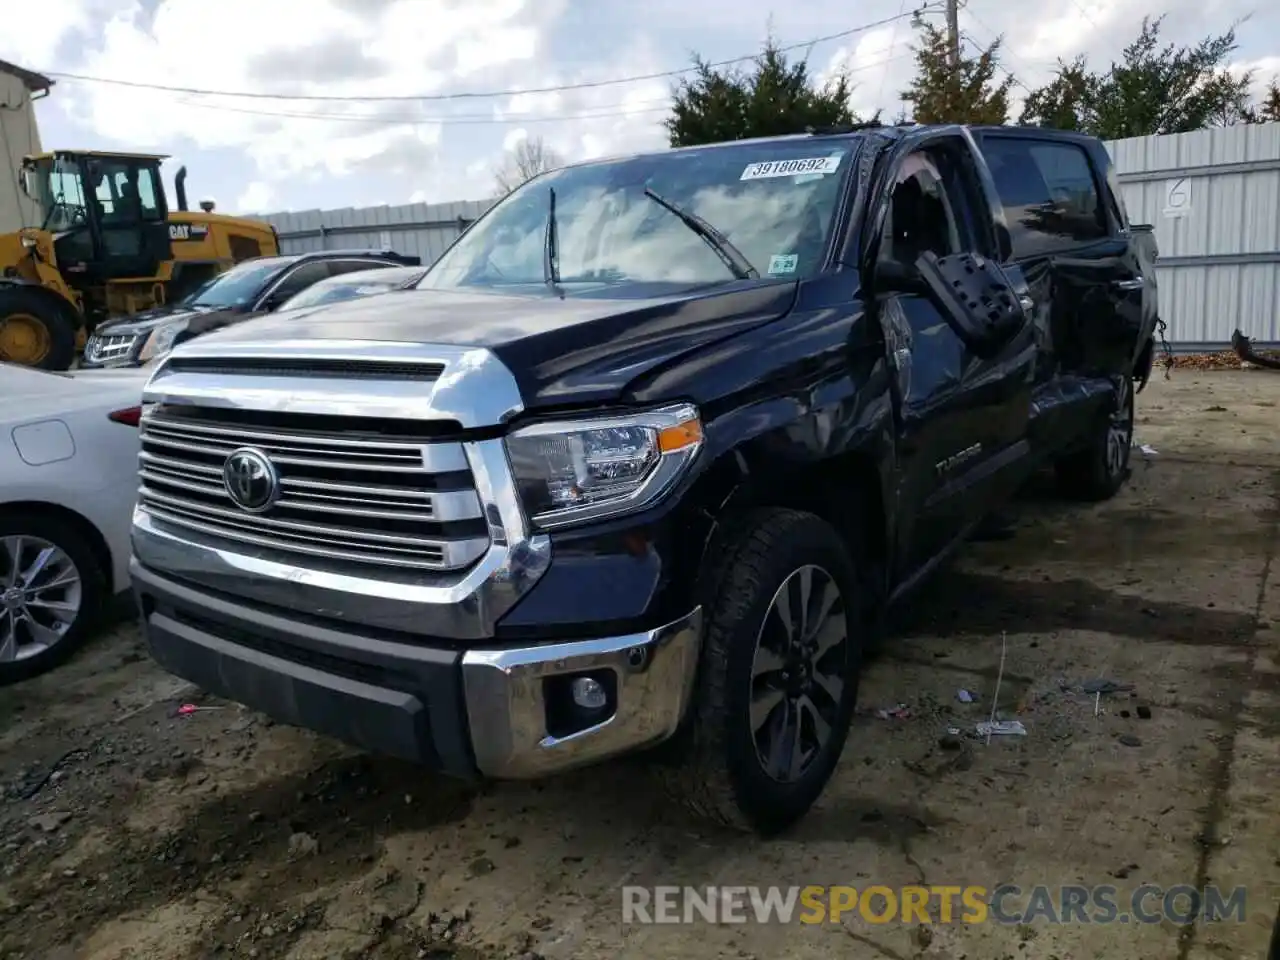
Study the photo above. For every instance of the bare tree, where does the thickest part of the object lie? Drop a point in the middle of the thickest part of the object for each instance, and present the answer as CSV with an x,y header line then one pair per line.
x,y
528,158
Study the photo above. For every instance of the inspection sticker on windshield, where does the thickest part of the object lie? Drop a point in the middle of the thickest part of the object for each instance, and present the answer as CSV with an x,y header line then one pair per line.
x,y
784,263
790,168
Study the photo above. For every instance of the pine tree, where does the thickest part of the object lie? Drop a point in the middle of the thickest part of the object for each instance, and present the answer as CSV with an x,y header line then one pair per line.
x,y
941,93
773,97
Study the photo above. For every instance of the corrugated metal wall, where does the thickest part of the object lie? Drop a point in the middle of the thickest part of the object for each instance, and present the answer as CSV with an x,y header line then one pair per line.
x,y
1213,197
416,228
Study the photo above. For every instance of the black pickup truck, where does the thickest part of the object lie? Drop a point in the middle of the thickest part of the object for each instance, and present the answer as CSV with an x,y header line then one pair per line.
x,y
646,455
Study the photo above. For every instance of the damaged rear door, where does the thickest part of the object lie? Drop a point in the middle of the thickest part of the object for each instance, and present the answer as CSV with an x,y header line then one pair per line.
x,y
1090,278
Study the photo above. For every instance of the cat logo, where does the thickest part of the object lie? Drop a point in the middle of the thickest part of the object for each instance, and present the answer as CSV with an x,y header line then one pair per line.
x,y
188,231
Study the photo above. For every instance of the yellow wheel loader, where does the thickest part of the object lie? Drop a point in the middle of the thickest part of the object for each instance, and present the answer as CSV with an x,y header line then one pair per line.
x,y
107,245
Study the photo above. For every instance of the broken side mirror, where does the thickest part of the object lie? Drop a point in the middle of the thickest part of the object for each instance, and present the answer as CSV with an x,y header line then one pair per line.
x,y
976,298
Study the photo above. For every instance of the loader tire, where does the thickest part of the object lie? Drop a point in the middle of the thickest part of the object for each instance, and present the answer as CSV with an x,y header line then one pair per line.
x,y
34,331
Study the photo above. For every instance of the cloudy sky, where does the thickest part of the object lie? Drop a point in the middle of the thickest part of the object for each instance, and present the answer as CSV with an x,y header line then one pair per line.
x,y
423,142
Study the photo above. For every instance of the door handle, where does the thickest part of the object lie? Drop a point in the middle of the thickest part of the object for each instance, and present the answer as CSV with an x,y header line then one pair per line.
x,y
1136,283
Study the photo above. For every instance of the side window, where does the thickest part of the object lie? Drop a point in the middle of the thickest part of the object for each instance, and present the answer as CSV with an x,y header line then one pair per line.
x,y
1049,194
103,193
339,267
923,213
299,279
147,194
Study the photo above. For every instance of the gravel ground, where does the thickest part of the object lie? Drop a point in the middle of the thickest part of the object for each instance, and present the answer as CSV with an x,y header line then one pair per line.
x,y
128,832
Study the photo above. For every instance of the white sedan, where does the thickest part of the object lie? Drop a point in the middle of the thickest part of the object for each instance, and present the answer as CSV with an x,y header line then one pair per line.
x,y
68,481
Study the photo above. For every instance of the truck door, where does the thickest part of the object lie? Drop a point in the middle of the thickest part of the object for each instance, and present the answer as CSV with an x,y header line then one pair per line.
x,y
1090,279
962,401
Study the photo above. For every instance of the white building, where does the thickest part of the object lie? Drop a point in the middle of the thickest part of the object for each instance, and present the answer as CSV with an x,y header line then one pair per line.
x,y
19,136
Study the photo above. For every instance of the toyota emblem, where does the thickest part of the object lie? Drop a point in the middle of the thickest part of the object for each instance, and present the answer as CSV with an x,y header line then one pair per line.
x,y
251,479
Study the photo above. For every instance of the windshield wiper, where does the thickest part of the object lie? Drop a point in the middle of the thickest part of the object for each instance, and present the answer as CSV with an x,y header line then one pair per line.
x,y
739,265
551,248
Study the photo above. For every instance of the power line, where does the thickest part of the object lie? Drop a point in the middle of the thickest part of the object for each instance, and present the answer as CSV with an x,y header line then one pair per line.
x,y
600,112
477,95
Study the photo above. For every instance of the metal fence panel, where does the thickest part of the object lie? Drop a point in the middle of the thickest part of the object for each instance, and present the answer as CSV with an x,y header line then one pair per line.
x,y
413,228
1213,197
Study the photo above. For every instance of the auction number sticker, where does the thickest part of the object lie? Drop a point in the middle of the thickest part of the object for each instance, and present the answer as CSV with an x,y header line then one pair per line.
x,y
790,168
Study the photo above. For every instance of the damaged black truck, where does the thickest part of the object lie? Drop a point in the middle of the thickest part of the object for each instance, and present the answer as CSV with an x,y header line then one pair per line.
x,y
644,458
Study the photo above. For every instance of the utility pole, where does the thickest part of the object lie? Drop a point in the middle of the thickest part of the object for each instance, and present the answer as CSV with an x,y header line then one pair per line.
x,y
953,33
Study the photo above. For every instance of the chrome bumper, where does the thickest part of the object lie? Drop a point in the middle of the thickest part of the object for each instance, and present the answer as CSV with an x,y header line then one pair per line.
x,y
505,695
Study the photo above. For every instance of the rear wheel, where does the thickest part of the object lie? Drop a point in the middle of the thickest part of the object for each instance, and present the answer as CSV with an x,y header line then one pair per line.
x,y
1098,471
778,677
34,332
52,590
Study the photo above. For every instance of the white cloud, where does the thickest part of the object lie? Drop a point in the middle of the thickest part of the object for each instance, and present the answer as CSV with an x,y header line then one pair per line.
x,y
256,198
301,153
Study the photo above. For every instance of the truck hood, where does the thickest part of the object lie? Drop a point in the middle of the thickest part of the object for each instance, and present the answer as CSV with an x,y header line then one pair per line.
x,y
584,348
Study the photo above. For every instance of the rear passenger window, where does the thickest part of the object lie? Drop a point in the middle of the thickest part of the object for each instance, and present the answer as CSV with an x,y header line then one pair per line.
x,y
1048,192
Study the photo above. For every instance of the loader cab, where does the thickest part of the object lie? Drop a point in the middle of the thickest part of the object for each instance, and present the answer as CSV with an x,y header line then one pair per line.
x,y
106,211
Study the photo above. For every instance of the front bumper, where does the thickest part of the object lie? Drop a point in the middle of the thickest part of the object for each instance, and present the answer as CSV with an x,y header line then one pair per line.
x,y
481,712
105,350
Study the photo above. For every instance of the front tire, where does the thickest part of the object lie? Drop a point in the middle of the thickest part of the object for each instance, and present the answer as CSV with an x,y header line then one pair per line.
x,y
34,332
52,591
1098,471
778,677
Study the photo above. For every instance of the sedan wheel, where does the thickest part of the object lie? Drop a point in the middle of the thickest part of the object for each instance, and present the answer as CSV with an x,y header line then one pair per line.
x,y
40,602
52,589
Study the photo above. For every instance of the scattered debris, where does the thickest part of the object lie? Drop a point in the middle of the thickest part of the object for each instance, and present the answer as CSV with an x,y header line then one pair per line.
x,y
303,845
964,696
1103,685
1122,873
1144,712
1001,728
951,741
189,708
1129,740
480,866
900,712
1148,450
50,822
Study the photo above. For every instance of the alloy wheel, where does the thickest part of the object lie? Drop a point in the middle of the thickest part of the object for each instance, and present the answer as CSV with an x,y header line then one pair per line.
x,y
798,673
40,596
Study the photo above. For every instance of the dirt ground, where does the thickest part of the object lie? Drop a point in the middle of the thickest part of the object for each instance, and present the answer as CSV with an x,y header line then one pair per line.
x,y
128,832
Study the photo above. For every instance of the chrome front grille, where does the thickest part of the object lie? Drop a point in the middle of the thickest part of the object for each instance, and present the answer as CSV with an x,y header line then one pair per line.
x,y
110,348
370,499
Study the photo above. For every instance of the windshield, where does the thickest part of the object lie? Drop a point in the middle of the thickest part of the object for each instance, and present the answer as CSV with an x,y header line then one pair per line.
x,y
773,201
60,193
124,191
240,285
345,289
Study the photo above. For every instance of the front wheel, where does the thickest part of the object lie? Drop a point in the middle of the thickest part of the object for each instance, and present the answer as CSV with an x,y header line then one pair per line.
x,y
34,332
778,677
1098,471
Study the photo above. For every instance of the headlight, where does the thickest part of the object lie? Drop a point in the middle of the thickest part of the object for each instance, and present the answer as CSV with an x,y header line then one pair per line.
x,y
572,471
160,341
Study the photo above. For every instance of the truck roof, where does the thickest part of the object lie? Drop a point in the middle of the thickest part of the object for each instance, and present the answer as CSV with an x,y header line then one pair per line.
x,y
851,132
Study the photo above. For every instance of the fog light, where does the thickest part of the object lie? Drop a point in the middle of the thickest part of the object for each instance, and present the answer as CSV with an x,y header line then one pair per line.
x,y
588,693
